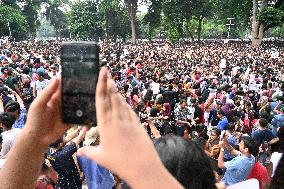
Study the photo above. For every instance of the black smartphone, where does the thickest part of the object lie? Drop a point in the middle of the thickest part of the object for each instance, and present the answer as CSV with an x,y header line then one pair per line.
x,y
80,70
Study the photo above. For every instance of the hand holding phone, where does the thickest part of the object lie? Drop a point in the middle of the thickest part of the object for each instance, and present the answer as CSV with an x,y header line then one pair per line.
x,y
80,70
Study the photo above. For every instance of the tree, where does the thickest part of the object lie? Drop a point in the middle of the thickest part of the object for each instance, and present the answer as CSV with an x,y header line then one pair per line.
x,y
153,17
11,3
239,10
131,7
266,17
13,18
115,19
85,20
30,11
56,16
201,9
175,13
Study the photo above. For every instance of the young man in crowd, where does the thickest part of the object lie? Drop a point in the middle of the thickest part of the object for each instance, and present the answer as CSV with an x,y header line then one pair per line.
x,y
237,169
61,158
9,133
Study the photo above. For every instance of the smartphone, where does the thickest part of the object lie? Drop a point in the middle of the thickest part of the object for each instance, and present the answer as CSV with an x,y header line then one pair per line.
x,y
80,70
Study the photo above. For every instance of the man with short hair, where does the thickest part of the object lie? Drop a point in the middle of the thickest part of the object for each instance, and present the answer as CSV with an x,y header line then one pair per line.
x,y
238,169
18,109
263,134
278,120
9,135
182,115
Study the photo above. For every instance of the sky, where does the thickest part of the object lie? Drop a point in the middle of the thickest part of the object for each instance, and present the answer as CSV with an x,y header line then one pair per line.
x,y
143,8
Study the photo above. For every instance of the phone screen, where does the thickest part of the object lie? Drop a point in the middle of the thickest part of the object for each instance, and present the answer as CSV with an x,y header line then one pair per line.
x,y
80,69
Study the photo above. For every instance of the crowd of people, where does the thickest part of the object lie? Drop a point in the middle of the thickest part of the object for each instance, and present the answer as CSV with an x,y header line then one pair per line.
x,y
213,110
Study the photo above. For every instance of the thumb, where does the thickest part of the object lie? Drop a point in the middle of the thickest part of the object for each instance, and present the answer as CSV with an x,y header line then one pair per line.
x,y
91,152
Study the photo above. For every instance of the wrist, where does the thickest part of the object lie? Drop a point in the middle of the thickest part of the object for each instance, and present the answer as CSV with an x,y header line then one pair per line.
x,y
37,141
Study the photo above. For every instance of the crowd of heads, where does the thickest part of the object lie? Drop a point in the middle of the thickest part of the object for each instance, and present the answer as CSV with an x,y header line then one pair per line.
x,y
189,89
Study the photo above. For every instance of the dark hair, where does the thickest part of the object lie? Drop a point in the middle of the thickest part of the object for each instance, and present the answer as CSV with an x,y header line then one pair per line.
x,y
231,126
186,161
263,122
221,112
7,119
12,106
26,70
201,142
250,144
216,132
1,138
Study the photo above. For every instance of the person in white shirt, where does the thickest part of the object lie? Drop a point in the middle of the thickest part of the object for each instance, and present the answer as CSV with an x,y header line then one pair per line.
x,y
40,83
9,135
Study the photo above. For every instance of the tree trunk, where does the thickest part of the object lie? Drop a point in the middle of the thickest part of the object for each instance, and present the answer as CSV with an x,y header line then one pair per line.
x,y
199,29
191,36
132,9
107,25
133,28
257,27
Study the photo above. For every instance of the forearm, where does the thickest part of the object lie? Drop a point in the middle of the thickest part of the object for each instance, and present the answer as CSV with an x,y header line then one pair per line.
x,y
274,140
221,162
71,136
181,122
19,100
231,149
20,169
1,106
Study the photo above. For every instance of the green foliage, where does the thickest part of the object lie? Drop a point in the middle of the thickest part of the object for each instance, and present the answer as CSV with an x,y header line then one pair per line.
x,y
175,13
271,17
278,31
212,30
11,3
30,11
241,10
115,18
153,17
85,20
16,21
56,16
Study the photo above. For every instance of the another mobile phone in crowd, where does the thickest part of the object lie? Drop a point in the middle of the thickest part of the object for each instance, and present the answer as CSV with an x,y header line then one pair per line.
x,y
80,70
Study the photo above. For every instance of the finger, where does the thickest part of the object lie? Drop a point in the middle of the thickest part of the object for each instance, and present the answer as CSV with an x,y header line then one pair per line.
x,y
55,102
91,152
115,99
102,97
47,93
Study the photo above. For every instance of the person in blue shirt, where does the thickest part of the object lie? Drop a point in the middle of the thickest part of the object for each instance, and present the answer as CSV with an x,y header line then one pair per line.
x,y
223,122
238,169
278,120
96,176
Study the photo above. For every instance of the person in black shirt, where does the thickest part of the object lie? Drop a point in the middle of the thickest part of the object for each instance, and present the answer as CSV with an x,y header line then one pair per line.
x,y
61,159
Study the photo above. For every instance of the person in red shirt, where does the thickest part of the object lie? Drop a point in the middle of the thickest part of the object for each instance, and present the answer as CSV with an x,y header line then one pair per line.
x,y
260,173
